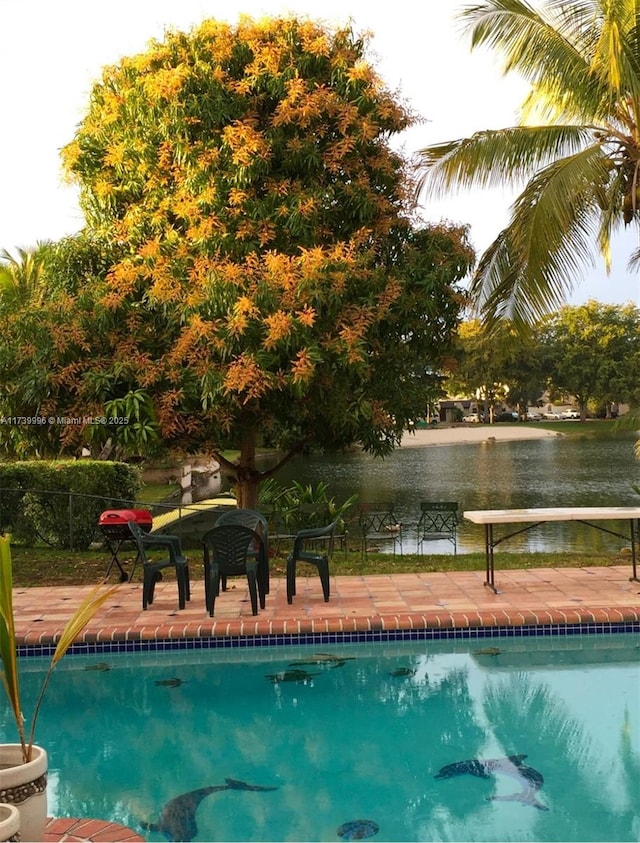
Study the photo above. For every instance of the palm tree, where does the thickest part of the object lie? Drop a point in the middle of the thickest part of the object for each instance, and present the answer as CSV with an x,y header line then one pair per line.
x,y
576,147
21,276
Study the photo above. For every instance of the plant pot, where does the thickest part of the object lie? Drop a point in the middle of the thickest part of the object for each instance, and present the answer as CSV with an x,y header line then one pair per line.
x,y
25,786
9,823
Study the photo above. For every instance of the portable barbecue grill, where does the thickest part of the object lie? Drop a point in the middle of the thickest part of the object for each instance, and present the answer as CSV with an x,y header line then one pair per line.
x,y
114,524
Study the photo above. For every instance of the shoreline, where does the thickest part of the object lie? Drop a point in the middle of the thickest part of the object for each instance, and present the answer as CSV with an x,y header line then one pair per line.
x,y
469,433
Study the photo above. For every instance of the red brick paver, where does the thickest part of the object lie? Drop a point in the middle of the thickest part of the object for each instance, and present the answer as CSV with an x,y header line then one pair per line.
x,y
401,601
76,831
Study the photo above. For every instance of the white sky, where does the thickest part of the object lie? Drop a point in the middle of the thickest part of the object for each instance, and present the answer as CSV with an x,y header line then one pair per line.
x,y
52,51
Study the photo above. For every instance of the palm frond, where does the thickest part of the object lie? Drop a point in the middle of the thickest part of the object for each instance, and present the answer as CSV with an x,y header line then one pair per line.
x,y
80,618
501,288
496,157
582,60
634,260
10,679
543,48
580,57
615,59
610,216
74,626
8,654
555,222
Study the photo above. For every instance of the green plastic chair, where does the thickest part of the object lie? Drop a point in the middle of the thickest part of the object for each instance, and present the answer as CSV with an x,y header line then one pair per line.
x,y
152,568
306,549
257,522
229,550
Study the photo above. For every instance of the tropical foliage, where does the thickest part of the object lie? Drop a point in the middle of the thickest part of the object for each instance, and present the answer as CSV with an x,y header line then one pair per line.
x,y
21,281
266,282
298,506
577,147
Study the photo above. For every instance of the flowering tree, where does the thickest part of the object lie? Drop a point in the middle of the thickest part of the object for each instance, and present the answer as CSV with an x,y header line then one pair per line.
x,y
269,281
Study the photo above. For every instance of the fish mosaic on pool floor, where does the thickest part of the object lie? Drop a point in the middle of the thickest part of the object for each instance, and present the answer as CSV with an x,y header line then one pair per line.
x,y
171,683
299,676
101,666
488,651
319,659
178,818
358,829
530,780
403,671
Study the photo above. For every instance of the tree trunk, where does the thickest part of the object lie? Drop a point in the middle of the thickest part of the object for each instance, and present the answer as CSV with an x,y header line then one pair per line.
x,y
247,477
245,474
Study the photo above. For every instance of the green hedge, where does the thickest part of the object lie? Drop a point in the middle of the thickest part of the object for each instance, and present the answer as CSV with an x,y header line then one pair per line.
x,y
60,501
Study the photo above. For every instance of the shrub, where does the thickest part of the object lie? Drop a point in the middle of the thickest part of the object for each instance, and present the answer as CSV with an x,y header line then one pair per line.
x,y
60,501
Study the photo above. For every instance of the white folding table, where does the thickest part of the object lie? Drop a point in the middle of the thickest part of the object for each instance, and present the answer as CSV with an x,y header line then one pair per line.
x,y
533,517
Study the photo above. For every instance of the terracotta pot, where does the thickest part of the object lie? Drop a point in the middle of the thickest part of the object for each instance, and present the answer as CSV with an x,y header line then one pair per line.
x,y
9,823
25,786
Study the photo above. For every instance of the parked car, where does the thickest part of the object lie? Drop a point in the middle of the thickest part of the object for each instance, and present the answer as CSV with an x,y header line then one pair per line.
x,y
552,414
472,417
506,417
570,414
534,415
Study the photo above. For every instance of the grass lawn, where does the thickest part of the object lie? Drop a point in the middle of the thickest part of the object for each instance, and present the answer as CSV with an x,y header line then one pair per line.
x,y
157,492
50,566
590,427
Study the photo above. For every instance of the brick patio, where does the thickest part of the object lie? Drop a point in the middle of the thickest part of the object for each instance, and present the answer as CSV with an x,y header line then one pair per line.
x,y
400,601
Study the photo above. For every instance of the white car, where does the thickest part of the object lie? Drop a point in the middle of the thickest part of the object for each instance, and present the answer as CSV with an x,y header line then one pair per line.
x,y
552,414
472,417
570,414
533,415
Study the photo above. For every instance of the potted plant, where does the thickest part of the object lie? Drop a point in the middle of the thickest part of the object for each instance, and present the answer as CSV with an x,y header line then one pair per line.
x,y
23,765
9,823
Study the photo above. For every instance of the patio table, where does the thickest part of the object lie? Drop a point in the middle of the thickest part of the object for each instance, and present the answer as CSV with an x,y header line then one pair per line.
x,y
533,517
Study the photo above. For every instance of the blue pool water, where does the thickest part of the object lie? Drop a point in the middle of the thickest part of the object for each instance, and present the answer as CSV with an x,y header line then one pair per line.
x,y
352,744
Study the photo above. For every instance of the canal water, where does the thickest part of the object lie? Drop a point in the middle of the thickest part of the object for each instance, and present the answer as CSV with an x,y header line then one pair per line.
x,y
558,471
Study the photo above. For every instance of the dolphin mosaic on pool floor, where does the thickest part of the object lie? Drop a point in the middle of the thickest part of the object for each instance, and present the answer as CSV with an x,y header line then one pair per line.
x,y
460,600
178,818
529,779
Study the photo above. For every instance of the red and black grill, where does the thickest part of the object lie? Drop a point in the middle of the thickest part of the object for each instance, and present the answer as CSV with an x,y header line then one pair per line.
x,y
114,524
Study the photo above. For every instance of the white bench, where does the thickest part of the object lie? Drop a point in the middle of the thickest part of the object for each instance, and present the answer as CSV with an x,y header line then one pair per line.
x,y
532,517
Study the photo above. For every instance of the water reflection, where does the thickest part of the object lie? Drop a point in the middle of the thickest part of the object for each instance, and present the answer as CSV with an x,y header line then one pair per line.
x,y
363,741
547,472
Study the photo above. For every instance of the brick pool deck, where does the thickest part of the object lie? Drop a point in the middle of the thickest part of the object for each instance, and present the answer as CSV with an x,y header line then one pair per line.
x,y
394,602
357,604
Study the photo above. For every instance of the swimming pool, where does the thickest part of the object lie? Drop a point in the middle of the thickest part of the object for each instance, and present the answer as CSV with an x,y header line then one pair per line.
x,y
341,742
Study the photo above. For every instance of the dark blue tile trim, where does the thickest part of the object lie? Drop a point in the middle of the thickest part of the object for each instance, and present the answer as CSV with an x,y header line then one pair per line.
x,y
217,643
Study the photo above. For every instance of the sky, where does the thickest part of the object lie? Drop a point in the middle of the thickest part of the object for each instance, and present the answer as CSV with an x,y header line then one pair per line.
x,y
53,52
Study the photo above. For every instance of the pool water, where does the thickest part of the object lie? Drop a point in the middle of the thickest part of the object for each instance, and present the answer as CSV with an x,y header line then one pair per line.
x,y
347,741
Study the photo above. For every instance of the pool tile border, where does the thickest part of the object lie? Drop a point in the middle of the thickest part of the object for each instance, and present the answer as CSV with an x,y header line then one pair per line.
x,y
218,633
150,645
